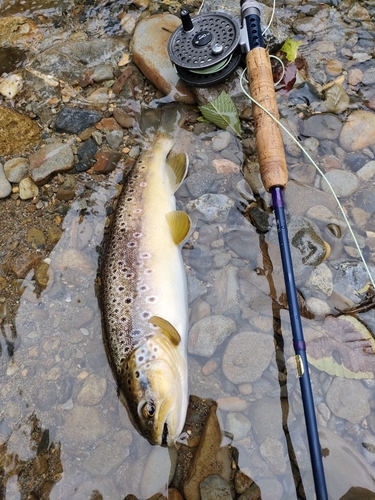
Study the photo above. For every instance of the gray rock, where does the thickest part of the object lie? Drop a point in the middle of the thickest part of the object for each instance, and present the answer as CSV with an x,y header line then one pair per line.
x,y
271,488
369,77
106,457
5,185
273,453
93,390
16,169
321,126
367,171
238,425
299,198
208,333
214,487
290,146
265,418
75,121
69,60
349,399
221,141
247,355
199,183
102,72
226,288
211,207
344,183
50,160
196,287
80,430
245,242
114,138
322,214
321,280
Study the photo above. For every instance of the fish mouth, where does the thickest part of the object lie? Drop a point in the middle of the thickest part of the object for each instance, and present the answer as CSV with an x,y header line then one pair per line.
x,y
164,438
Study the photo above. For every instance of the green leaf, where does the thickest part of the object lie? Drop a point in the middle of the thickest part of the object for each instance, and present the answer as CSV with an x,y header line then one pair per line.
x,y
290,48
223,113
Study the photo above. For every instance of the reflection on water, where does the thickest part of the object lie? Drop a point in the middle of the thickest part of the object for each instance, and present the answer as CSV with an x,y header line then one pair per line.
x,y
58,377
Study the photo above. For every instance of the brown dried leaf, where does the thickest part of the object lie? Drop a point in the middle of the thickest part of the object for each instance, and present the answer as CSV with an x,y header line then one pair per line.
x,y
346,349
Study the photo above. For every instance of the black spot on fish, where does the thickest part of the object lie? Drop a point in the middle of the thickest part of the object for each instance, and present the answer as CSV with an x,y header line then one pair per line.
x,y
137,374
140,359
128,300
121,288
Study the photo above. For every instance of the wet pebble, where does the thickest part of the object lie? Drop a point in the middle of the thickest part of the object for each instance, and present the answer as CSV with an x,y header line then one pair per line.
x,y
208,333
348,399
246,356
11,86
158,471
93,390
322,214
318,307
49,160
238,425
367,172
86,152
225,166
16,169
74,120
210,367
344,183
114,138
232,403
106,161
221,141
5,185
123,118
214,487
198,183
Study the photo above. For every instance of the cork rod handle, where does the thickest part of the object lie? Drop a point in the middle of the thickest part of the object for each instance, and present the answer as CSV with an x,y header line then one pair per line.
x,y
270,147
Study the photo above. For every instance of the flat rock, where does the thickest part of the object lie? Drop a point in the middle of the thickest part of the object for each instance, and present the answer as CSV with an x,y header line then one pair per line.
x,y
348,399
344,183
321,126
359,131
149,50
50,160
208,333
66,62
17,132
299,198
211,207
214,487
247,355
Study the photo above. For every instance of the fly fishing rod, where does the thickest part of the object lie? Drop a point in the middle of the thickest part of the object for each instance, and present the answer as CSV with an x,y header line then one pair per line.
x,y
274,173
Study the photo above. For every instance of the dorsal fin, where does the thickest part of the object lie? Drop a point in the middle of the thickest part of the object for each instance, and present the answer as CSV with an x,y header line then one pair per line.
x,y
178,164
179,224
169,330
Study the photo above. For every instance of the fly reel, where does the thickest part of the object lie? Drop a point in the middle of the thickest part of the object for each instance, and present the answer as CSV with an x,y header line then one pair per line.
x,y
205,49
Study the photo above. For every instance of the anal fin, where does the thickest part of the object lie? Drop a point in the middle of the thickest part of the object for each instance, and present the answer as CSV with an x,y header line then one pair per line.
x,y
179,224
168,329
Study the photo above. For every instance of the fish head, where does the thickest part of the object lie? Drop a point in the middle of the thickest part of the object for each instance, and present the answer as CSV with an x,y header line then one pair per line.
x,y
154,390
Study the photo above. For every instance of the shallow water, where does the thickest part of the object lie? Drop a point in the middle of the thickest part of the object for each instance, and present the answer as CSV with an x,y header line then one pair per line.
x,y
67,447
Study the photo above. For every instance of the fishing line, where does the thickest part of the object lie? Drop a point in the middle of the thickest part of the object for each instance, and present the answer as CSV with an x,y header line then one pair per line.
x,y
242,77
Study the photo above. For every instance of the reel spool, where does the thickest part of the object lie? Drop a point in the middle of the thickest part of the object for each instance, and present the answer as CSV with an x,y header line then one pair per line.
x,y
205,49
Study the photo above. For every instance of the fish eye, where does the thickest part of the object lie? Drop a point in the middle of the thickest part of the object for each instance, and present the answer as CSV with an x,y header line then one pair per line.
x,y
148,410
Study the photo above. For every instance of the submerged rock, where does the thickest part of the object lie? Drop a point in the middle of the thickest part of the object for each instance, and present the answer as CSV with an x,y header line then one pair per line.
x,y
358,131
5,185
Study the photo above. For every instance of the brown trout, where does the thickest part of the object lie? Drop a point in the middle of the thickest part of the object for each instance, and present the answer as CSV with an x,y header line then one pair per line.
x,y
144,295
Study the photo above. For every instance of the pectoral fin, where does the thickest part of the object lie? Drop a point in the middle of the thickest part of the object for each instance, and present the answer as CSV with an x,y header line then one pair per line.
x,y
169,330
179,224
178,164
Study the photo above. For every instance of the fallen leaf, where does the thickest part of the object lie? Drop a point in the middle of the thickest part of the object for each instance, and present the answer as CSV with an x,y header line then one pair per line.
x,y
290,48
345,348
223,113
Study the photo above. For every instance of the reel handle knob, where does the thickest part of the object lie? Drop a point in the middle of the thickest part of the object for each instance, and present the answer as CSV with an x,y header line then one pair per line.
x,y
187,23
